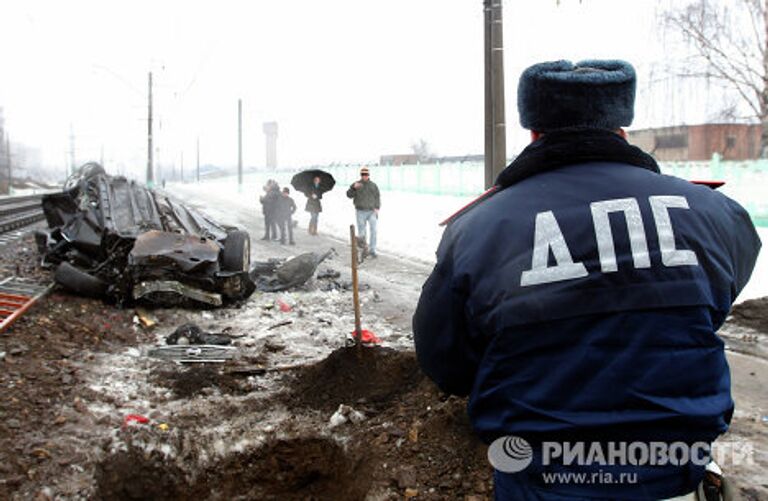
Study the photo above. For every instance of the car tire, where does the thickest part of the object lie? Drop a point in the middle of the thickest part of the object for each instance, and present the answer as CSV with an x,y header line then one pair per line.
x,y
76,280
236,255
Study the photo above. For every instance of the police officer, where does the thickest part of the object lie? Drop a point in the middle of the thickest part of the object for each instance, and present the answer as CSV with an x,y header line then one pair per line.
x,y
579,301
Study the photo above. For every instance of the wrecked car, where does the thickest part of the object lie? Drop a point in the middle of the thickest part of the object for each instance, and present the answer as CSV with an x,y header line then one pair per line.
x,y
114,238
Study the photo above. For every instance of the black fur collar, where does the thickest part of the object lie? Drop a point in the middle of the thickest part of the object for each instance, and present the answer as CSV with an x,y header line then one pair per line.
x,y
565,147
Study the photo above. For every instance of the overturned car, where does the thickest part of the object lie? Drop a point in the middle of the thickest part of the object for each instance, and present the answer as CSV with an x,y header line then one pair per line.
x,y
114,238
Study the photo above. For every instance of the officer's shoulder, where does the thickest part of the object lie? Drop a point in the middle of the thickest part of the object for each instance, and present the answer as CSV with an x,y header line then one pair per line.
x,y
705,190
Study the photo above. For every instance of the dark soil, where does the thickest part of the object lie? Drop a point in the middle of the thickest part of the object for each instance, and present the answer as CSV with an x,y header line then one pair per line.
x,y
188,381
134,475
284,469
39,373
425,444
372,376
300,468
752,313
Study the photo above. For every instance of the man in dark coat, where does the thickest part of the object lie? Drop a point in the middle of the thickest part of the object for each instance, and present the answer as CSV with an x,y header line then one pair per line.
x,y
269,202
285,209
367,200
578,303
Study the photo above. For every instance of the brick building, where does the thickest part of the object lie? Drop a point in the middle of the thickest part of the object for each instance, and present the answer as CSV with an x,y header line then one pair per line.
x,y
699,142
399,159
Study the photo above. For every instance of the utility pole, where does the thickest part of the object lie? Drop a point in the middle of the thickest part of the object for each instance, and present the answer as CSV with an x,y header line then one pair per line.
x,y
72,165
10,166
240,143
495,127
4,144
270,131
150,170
198,159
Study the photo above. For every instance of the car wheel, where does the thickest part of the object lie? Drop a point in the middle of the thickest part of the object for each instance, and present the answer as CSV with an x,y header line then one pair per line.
x,y
236,255
78,281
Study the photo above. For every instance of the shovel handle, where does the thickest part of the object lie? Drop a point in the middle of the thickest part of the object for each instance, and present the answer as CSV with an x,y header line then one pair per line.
x,y
355,293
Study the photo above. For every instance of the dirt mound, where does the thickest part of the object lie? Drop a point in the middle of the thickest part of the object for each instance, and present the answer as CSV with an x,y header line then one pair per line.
x,y
134,475
189,381
752,313
370,376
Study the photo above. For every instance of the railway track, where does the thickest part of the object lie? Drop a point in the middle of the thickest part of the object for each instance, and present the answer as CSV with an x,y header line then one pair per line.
x,y
17,295
17,212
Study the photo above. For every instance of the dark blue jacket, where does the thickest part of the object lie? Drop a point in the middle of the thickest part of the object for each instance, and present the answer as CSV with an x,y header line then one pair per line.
x,y
582,300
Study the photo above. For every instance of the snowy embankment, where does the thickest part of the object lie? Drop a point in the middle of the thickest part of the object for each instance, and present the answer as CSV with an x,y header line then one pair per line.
x,y
408,222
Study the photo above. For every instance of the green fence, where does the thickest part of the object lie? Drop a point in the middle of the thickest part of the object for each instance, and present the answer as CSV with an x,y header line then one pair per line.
x,y
746,182
464,178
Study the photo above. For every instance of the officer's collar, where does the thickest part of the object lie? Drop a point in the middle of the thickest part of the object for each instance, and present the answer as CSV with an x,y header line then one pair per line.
x,y
573,146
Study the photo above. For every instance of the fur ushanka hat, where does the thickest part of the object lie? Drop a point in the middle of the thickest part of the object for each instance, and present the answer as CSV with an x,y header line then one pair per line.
x,y
559,94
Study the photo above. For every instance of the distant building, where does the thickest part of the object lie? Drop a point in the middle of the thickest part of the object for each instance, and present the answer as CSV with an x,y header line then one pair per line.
x,y
404,159
699,142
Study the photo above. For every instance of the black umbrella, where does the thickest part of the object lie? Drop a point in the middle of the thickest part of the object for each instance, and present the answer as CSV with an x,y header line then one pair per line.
x,y
304,180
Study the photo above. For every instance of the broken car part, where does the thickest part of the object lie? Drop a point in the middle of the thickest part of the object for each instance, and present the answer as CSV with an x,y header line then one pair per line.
x,y
172,292
193,353
192,334
292,273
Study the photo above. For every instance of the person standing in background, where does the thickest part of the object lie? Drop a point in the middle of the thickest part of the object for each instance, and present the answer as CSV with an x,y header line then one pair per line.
x,y
314,206
269,202
365,195
285,209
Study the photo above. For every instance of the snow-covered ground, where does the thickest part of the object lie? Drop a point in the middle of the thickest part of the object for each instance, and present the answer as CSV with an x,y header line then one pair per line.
x,y
758,284
408,222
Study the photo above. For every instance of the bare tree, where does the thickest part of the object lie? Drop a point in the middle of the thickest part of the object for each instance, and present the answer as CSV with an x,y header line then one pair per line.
x,y
421,149
727,40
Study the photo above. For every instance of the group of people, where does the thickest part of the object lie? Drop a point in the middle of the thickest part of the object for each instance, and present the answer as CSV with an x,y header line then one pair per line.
x,y
278,208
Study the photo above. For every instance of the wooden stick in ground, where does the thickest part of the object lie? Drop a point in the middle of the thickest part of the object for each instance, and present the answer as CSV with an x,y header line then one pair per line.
x,y
355,294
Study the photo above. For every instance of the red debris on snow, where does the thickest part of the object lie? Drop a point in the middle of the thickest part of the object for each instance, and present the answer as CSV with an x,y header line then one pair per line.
x,y
134,418
367,336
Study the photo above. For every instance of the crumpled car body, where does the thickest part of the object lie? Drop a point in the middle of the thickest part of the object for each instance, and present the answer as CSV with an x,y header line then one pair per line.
x,y
112,237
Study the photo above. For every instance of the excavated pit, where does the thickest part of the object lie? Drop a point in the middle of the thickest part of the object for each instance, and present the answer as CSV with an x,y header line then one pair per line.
x,y
189,381
285,469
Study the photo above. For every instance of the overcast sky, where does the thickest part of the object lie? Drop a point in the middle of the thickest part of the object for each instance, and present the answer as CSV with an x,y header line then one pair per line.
x,y
346,80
